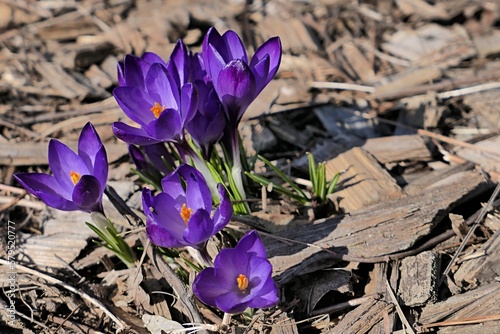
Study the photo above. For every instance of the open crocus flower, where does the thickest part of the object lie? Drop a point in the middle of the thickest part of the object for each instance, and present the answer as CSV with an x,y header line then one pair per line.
x,y
158,104
237,81
182,216
240,278
78,180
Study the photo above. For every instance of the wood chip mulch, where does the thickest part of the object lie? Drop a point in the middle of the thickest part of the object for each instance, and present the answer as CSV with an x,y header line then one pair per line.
x,y
402,97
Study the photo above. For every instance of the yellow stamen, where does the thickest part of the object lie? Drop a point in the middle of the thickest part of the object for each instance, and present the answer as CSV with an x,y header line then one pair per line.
x,y
157,109
75,177
185,213
242,282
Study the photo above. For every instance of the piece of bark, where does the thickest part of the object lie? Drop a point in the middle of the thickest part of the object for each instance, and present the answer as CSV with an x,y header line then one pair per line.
x,y
419,275
33,154
64,237
343,121
398,148
354,62
284,325
311,288
487,105
423,9
431,45
68,26
492,221
376,231
483,269
404,80
83,54
482,301
429,179
487,44
363,181
98,77
363,318
489,161
377,285
62,83
295,36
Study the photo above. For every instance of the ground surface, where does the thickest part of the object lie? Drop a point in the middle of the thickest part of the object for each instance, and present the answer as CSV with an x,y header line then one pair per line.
x,y
400,96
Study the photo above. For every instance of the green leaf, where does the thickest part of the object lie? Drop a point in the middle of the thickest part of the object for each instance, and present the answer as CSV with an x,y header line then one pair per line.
x,y
313,175
333,183
279,189
321,191
284,177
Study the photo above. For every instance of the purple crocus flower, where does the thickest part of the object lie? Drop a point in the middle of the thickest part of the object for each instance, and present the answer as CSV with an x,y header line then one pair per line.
x,y
182,216
185,66
152,98
237,81
207,126
153,160
241,278
78,180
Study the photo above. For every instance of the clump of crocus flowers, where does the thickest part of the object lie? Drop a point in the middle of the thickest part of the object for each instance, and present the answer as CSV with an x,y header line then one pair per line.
x,y
183,108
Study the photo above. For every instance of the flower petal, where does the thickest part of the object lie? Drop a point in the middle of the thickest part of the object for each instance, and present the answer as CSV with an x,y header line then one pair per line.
x,y
87,194
265,62
213,61
172,185
63,161
199,228
234,48
152,58
224,212
236,89
164,224
177,65
134,71
168,127
252,244
207,287
198,195
267,297
160,157
132,135
135,103
47,189
229,264
162,87
231,302
92,152
189,102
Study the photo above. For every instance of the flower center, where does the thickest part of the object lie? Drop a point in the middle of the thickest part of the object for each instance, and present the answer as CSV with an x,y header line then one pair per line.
x,y
75,177
157,109
242,281
185,213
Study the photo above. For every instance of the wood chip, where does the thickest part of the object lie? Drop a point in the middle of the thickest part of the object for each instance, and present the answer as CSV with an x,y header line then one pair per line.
x,y
398,148
482,269
363,318
482,301
363,183
419,275
490,162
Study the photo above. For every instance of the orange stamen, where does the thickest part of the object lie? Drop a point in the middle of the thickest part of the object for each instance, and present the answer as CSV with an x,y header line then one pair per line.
x,y
242,282
185,213
75,177
157,109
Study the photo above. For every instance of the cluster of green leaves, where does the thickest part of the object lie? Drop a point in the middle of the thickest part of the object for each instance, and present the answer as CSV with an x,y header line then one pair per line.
x,y
111,239
321,188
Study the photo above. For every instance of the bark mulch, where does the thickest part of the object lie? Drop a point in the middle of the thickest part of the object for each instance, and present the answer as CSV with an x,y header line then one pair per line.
x,y
402,97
